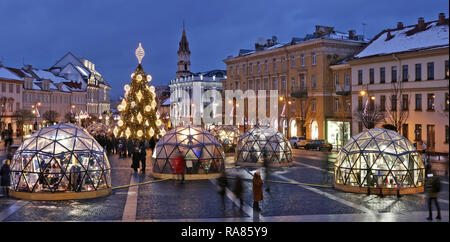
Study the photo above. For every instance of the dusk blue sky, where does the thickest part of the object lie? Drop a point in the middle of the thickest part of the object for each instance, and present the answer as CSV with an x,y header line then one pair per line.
x,y
40,32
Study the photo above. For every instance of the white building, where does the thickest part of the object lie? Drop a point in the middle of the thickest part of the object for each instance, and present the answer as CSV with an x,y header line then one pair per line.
x,y
11,91
406,71
192,87
83,71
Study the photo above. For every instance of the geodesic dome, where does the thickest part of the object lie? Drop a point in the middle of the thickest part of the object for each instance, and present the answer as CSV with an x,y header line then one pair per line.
x,y
262,139
60,158
97,129
228,136
379,158
202,152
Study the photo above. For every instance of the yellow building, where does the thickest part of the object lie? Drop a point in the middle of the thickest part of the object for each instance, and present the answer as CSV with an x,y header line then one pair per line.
x,y
300,71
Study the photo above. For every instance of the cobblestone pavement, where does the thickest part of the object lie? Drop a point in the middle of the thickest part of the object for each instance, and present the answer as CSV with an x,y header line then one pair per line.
x,y
313,199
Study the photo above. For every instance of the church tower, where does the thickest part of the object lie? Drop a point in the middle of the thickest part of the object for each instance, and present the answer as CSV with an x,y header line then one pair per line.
x,y
184,57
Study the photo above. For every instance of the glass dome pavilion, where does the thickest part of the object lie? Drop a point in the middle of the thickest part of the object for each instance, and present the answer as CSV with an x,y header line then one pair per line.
x,y
60,162
203,153
253,143
379,160
228,136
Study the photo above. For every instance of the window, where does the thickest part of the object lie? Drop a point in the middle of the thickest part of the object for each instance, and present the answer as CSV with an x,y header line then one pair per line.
x,y
347,79
283,83
3,87
418,72
430,102
313,58
293,61
266,84
371,76
313,81
258,84
336,80
11,88
405,102
244,69
250,85
418,132
292,83
274,65
446,72
430,70
274,84
283,64
251,68
394,74
418,102
348,105
17,106
405,130
303,60
17,88
405,73
360,77
313,104
258,67
382,75
382,103
447,101
336,104
447,135
266,66
394,103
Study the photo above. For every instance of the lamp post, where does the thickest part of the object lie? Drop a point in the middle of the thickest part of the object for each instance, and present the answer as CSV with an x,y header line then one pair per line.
x,y
35,111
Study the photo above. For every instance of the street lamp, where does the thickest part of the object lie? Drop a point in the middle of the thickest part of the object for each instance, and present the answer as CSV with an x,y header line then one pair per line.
x,y
35,111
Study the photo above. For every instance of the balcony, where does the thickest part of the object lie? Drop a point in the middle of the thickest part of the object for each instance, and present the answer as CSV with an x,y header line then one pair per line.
x,y
299,92
343,90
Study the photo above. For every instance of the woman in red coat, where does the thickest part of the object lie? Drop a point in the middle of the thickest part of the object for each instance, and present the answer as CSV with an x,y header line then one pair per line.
x,y
257,190
178,166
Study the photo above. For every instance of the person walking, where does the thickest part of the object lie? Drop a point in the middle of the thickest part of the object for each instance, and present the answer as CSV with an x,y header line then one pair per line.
x,y
239,190
143,158
222,187
136,158
257,190
178,166
432,188
266,163
5,173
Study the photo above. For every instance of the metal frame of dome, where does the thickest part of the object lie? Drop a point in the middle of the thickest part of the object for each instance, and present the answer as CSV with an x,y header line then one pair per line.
x,y
259,138
98,128
225,133
60,162
197,145
379,161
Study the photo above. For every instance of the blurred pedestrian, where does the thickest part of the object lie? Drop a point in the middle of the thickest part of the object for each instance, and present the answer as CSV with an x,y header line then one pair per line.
x,y
267,163
136,158
222,184
239,190
5,173
130,147
432,188
120,148
257,190
143,156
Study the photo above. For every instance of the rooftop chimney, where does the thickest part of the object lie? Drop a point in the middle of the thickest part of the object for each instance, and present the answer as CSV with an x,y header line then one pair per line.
x,y
399,25
421,24
351,34
441,19
27,67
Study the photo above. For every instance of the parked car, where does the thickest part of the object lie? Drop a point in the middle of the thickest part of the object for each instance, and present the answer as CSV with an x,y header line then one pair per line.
x,y
318,145
297,141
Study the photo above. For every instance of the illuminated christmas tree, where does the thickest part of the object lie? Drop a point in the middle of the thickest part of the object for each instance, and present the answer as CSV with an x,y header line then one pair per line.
x,y
138,115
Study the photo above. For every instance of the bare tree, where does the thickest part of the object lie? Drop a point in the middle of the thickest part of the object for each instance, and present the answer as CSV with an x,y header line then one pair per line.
x,y
369,117
398,113
51,116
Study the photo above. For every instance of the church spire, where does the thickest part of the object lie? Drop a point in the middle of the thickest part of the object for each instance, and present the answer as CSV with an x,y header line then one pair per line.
x,y
184,56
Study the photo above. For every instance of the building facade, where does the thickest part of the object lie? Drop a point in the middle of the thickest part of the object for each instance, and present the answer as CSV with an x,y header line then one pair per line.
x,y
404,72
300,71
11,92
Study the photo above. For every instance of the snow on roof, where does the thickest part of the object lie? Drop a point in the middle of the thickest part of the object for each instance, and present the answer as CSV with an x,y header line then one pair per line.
x,y
48,75
7,74
434,36
36,87
82,70
166,102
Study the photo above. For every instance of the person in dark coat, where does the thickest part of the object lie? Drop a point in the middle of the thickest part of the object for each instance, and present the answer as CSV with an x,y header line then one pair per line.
x,y
130,147
222,184
267,160
178,166
143,156
239,190
257,190
5,173
432,188
136,159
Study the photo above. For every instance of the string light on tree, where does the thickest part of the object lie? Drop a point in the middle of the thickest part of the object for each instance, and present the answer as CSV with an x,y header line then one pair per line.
x,y
138,118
